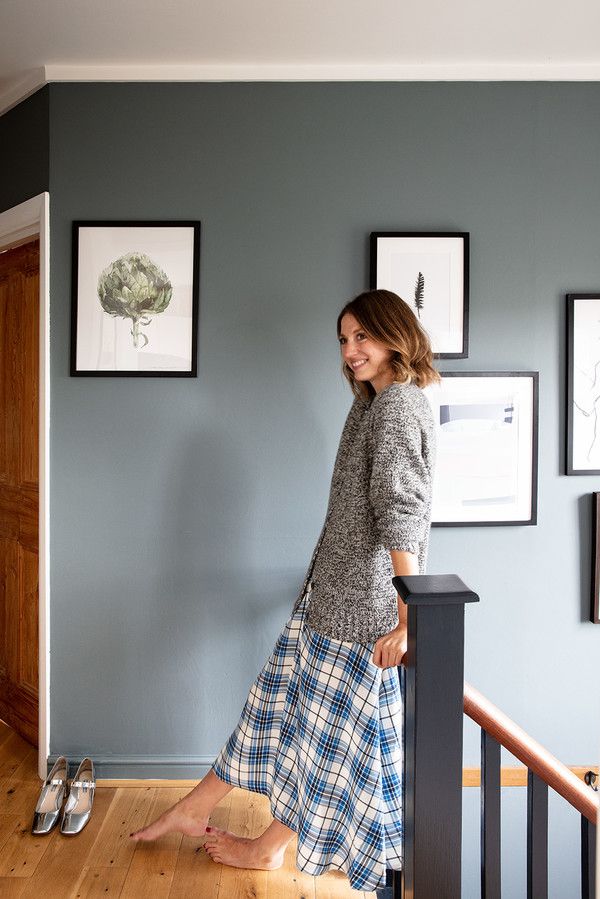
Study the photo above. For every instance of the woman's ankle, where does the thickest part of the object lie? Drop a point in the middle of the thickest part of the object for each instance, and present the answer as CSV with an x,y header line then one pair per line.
x,y
275,838
207,794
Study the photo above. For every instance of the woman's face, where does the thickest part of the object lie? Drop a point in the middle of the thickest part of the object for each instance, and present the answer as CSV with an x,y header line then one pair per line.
x,y
368,359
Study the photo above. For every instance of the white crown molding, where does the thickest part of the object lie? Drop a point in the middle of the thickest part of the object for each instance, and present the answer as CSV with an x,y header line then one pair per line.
x,y
19,90
322,72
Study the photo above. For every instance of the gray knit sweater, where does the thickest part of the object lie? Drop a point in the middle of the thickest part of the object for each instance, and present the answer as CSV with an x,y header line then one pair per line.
x,y
380,499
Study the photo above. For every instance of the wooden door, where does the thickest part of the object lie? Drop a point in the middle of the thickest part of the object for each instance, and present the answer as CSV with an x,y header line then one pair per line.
x,y
19,488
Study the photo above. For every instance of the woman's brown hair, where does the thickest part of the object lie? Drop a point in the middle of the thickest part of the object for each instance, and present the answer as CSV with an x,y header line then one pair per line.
x,y
387,318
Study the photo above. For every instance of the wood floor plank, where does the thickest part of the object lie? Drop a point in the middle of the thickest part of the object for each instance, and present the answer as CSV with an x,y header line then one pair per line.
x,y
12,887
21,852
19,797
13,750
5,731
96,882
59,869
249,816
195,871
153,864
8,824
335,885
27,770
128,811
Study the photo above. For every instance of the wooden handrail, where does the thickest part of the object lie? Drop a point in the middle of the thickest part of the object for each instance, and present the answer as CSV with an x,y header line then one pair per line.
x,y
531,753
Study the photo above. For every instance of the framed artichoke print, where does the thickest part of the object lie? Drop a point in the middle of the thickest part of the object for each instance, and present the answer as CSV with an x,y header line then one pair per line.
x,y
135,288
430,271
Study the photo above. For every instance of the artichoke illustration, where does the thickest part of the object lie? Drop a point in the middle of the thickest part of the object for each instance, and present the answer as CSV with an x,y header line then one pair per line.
x,y
135,287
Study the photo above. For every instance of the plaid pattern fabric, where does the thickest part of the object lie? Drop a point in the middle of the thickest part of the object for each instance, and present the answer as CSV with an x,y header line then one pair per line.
x,y
321,735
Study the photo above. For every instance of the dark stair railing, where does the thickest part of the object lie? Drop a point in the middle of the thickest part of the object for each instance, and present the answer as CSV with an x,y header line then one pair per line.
x,y
435,697
543,771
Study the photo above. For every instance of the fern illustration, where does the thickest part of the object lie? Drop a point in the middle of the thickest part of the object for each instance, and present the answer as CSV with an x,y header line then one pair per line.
x,y
419,291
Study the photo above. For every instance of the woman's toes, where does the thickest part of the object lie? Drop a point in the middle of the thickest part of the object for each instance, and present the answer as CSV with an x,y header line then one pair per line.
x,y
178,818
152,831
241,852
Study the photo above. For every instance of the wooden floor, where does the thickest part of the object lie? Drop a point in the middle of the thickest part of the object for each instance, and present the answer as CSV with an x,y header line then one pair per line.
x,y
103,861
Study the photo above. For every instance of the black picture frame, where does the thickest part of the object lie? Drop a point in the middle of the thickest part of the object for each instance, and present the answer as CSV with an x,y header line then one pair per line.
x,y
532,456
456,344
583,390
92,241
595,580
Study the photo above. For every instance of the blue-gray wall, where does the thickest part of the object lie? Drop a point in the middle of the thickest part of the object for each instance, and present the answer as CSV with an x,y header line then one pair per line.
x,y
184,511
24,150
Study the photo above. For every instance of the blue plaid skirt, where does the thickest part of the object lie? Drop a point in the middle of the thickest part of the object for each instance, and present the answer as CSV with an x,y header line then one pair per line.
x,y
321,735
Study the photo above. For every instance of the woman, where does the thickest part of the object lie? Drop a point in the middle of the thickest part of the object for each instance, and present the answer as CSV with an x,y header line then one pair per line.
x,y
320,732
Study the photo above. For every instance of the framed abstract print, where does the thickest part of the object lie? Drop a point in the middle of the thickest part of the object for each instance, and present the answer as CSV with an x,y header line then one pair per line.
x,y
487,445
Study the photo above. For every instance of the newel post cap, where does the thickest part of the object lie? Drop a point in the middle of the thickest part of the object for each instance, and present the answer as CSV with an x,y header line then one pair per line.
x,y
433,589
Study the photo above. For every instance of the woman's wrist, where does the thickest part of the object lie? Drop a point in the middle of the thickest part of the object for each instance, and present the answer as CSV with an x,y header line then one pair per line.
x,y
402,613
403,563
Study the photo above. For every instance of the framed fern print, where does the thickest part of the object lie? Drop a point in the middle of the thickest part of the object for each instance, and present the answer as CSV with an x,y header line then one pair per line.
x,y
430,271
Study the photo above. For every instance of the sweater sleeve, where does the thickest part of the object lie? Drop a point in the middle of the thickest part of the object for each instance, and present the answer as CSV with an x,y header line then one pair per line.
x,y
400,482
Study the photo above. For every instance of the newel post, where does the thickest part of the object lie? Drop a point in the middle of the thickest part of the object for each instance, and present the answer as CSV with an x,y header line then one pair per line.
x,y
433,734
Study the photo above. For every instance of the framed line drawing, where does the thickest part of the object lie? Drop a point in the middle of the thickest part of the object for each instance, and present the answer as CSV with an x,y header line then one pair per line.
x,y
487,448
135,288
583,383
430,271
595,606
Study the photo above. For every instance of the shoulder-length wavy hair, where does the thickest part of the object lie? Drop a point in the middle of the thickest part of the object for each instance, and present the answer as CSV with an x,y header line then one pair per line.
x,y
387,318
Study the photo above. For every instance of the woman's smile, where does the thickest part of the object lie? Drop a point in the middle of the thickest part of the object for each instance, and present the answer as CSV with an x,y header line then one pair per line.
x,y
354,343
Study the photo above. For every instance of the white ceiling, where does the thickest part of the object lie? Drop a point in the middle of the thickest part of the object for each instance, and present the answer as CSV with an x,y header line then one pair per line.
x,y
139,40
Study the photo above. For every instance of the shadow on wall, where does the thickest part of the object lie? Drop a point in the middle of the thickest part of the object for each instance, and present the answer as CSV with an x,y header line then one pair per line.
x,y
242,492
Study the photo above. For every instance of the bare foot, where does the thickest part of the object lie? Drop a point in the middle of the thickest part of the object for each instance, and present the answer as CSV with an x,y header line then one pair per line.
x,y
227,848
181,817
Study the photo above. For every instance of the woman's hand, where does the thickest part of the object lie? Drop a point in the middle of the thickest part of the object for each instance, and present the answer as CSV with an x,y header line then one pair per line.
x,y
389,649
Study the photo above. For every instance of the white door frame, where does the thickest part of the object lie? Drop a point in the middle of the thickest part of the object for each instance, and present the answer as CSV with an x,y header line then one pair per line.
x,y
17,225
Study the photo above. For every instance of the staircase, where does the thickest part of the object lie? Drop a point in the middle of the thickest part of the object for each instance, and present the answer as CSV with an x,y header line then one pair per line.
x,y
436,698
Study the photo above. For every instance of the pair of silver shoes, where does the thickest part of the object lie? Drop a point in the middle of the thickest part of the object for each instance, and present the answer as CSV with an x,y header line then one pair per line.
x,y
80,796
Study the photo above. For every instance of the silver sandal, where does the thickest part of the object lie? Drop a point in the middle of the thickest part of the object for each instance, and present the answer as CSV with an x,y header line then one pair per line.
x,y
54,788
78,807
